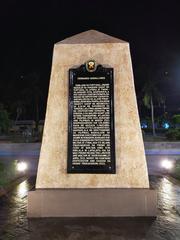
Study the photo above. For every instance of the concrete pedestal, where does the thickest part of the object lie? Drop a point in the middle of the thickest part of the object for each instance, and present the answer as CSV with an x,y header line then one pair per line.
x,y
92,203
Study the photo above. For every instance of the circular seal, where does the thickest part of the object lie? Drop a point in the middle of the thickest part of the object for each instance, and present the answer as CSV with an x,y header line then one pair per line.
x,y
91,66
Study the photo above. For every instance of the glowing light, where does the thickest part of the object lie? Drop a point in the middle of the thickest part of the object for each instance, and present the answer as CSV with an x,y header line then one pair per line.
x,y
167,164
22,166
166,125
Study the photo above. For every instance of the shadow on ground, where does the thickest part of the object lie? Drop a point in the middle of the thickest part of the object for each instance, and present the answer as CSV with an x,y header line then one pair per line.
x,y
89,228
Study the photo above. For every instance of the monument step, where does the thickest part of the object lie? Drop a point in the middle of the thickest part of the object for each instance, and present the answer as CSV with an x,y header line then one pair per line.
x,y
104,202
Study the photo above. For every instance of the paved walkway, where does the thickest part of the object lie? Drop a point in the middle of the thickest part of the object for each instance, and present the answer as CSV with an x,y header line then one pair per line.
x,y
15,225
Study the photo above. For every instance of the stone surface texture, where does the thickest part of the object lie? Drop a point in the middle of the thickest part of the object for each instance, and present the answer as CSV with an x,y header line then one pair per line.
x,y
131,169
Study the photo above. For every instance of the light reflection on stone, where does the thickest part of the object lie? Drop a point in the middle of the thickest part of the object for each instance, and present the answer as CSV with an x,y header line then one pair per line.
x,y
22,189
167,197
167,187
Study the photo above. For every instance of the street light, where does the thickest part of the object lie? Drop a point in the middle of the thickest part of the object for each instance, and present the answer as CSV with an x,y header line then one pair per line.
x,y
167,164
22,166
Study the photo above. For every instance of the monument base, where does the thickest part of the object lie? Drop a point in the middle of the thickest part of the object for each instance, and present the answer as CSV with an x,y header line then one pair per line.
x,y
102,202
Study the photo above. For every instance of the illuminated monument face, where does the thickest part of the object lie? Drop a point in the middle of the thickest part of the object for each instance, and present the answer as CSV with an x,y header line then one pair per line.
x,y
92,142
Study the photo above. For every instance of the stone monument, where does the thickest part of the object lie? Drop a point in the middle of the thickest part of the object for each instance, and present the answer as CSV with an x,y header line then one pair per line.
x,y
92,160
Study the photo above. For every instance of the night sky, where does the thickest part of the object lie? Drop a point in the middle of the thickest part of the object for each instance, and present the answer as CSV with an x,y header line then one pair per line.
x,y
29,30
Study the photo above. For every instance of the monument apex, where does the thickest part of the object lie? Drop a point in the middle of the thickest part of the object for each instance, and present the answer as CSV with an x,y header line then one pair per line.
x,y
90,37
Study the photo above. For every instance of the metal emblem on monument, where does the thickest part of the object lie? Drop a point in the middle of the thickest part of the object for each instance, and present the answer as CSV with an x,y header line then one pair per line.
x,y
91,66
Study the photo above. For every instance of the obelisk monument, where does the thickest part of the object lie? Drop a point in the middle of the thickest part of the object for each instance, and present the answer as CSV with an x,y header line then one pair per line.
x,y
79,181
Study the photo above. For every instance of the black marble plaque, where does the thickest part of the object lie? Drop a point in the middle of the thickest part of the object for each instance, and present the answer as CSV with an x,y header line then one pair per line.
x,y
91,144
